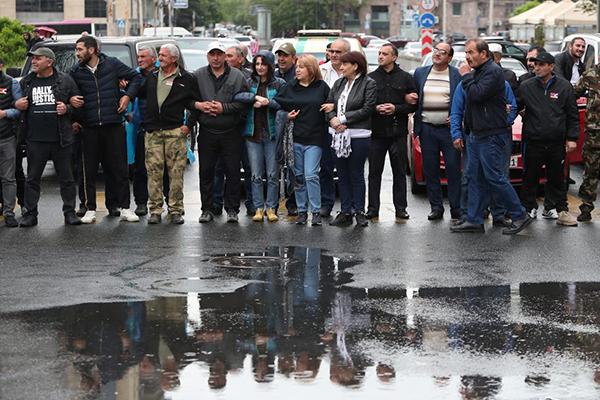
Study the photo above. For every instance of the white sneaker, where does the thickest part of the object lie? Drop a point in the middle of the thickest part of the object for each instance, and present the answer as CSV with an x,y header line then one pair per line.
x,y
550,214
533,213
89,217
128,215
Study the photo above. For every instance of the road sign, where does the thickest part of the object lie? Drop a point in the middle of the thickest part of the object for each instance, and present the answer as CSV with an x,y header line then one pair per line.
x,y
180,3
427,20
121,23
427,5
426,41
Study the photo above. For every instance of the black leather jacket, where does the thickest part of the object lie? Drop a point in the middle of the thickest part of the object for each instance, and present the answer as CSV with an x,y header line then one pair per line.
x,y
360,104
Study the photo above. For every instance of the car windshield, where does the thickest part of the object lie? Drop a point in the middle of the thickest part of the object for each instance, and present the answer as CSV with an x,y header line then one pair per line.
x,y
371,55
65,55
458,47
194,59
552,46
120,51
194,43
513,65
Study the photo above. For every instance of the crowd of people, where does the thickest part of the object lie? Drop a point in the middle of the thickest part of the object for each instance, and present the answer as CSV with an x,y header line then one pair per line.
x,y
291,121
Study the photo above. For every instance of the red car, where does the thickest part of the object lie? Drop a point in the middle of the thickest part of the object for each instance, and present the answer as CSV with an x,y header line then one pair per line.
x,y
417,177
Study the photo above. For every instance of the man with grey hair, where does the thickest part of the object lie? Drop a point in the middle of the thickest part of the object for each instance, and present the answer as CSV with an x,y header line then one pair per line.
x,y
235,59
247,64
331,72
169,92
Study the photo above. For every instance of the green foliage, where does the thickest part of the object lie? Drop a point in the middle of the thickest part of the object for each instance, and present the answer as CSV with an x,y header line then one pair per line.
x,y
12,46
587,6
526,7
207,12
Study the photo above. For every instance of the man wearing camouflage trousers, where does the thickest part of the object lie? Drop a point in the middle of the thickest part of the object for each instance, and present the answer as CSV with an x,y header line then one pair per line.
x,y
590,83
169,91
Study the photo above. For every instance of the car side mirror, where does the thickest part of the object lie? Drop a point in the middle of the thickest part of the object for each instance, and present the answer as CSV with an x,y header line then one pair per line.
x,y
14,72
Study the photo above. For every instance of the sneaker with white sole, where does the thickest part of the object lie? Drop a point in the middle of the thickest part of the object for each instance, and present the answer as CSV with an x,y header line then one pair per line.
x,y
532,213
128,215
566,219
550,214
89,217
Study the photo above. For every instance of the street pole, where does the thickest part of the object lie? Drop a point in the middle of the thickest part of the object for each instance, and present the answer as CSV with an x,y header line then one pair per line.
x,y
445,20
171,16
598,15
491,17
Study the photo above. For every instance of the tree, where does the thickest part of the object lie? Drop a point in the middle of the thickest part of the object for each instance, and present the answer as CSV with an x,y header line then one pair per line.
x,y
587,6
207,12
12,46
526,7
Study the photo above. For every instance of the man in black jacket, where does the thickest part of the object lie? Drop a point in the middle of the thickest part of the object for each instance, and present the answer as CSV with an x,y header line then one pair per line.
x,y
531,54
550,124
568,63
389,130
219,134
98,76
485,117
46,127
170,91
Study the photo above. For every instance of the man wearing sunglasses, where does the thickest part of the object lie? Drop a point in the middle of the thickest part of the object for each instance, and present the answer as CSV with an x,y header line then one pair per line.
x,y
531,54
435,88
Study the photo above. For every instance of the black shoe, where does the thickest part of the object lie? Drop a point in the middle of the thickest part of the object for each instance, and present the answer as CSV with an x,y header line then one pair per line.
x,y
467,227
435,215
232,217
316,219
72,219
177,219
292,212
250,212
502,222
205,217
28,221
81,212
361,219
154,219
342,219
402,214
114,212
302,218
10,221
325,212
585,216
517,226
371,214
141,209
455,215
217,211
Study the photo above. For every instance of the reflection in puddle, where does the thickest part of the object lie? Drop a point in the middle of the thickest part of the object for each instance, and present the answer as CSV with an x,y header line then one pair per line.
x,y
296,331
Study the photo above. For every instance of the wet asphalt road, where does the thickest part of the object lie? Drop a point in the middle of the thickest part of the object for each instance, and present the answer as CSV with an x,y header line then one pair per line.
x,y
129,311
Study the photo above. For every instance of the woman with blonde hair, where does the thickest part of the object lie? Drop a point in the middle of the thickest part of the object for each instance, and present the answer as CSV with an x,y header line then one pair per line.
x,y
302,98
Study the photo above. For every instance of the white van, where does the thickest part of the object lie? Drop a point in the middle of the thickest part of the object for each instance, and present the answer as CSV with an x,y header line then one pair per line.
x,y
166,31
592,47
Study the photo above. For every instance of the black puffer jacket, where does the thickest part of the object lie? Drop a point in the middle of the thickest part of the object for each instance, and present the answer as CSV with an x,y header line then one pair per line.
x,y
101,92
63,89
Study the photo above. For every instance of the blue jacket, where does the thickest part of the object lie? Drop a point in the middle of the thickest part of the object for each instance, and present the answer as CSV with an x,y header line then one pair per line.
x,y
457,112
420,77
485,111
248,98
101,92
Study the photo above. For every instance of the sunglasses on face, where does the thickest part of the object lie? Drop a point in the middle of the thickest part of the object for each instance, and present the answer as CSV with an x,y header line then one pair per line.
x,y
441,52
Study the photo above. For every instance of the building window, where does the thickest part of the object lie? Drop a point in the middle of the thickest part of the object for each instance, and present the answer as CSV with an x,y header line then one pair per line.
x,y
95,8
380,13
40,6
456,8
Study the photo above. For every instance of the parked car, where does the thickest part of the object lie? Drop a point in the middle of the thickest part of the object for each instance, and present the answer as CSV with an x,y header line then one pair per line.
x,y
592,47
398,41
316,45
372,54
377,43
413,48
509,49
250,42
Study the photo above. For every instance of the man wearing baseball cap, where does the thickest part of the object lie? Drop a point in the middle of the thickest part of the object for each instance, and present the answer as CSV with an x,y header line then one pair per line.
x,y
46,127
286,62
219,135
550,130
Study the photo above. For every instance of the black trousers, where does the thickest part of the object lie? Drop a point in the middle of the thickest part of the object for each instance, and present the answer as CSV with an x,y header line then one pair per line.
x,y
552,155
106,144
396,147
38,154
227,147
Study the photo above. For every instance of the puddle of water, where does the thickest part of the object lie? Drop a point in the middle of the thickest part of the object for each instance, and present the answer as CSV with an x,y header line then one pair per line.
x,y
296,331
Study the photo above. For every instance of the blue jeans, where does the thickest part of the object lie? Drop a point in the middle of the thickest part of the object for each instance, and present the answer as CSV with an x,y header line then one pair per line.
x,y
487,170
307,160
326,175
433,140
496,207
351,172
261,155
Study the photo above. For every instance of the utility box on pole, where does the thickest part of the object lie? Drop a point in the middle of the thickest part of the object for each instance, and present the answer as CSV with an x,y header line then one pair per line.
x,y
263,24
